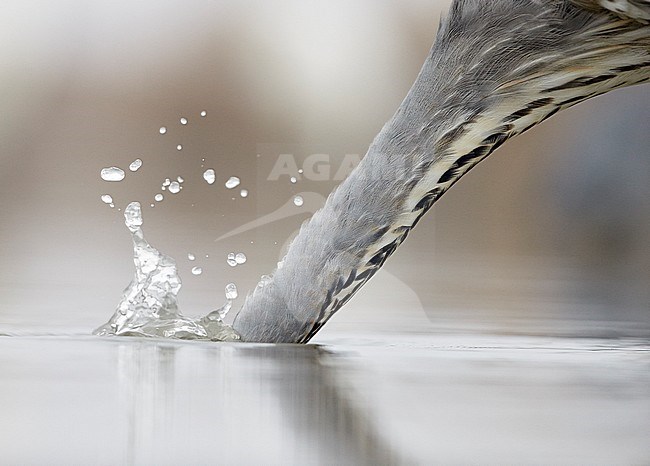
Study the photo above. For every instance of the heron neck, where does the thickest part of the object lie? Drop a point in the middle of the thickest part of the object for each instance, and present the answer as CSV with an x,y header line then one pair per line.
x,y
476,90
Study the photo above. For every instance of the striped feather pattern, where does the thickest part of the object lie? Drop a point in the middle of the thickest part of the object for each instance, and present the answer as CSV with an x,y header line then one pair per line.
x,y
496,69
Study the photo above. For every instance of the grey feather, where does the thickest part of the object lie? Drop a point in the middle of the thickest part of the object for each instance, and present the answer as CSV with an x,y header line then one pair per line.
x,y
496,69
638,10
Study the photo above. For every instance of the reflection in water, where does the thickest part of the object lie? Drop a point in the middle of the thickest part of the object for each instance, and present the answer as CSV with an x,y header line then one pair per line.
x,y
145,377
427,399
259,404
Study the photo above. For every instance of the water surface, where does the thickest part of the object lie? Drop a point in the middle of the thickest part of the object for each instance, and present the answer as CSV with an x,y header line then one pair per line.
x,y
379,398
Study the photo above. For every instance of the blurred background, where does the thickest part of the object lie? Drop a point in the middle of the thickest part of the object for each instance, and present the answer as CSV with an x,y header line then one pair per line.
x,y
548,236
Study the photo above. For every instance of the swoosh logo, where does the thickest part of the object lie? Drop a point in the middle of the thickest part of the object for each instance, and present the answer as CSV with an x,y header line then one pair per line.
x,y
311,203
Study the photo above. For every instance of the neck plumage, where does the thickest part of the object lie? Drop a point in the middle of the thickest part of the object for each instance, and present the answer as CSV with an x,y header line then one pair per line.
x,y
497,69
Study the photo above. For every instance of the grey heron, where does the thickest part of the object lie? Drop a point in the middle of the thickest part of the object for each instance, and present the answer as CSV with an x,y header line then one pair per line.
x,y
496,69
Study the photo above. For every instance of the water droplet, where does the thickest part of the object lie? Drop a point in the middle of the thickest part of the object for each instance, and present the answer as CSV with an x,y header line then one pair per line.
x,y
111,205
107,199
152,205
162,130
300,170
298,201
179,147
183,121
293,179
191,256
264,280
197,270
231,259
167,182
133,216
112,174
135,165
203,113
240,258
232,182
243,193
207,256
174,187
224,310
231,291
180,179
209,176
158,197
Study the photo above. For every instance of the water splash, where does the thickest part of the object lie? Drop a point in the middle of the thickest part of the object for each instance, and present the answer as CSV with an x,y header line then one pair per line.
x,y
149,305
